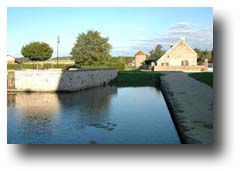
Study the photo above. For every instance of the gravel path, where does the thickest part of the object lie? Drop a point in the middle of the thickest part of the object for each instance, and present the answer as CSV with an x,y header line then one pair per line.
x,y
191,103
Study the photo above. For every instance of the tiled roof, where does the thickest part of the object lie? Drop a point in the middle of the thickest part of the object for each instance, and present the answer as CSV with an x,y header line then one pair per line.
x,y
139,53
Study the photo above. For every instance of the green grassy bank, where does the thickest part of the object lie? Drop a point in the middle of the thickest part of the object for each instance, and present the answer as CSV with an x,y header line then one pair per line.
x,y
205,77
136,79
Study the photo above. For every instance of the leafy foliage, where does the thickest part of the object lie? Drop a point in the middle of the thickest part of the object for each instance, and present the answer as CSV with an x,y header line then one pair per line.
x,y
156,53
36,66
91,49
37,51
123,59
117,66
204,54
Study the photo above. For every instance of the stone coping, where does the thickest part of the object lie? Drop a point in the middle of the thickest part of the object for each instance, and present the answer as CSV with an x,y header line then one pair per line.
x,y
61,70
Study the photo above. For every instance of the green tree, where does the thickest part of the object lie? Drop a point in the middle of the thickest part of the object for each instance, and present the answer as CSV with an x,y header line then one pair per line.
x,y
37,51
91,49
156,53
203,54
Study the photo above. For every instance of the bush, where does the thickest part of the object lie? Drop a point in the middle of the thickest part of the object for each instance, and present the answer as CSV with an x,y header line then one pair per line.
x,y
35,66
118,66
37,51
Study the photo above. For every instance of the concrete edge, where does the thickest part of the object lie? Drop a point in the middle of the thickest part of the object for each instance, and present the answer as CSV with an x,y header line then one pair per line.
x,y
173,114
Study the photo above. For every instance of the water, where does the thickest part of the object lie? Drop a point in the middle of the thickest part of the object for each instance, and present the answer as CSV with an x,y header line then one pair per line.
x,y
103,115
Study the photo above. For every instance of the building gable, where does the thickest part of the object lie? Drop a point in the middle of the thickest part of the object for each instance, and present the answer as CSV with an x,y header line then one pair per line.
x,y
180,51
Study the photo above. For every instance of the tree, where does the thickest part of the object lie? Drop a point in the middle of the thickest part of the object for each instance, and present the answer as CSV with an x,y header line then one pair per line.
x,y
91,49
203,54
156,53
37,51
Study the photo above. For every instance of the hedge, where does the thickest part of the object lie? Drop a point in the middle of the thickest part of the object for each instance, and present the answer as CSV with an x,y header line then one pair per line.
x,y
118,66
35,66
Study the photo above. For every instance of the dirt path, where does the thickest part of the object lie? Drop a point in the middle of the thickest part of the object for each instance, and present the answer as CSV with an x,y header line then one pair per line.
x,y
191,103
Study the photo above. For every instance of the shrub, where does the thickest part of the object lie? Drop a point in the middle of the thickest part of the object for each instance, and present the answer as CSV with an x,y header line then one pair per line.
x,y
35,66
37,51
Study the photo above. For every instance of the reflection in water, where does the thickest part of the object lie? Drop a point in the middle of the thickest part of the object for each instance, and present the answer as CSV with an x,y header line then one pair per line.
x,y
35,104
91,104
98,115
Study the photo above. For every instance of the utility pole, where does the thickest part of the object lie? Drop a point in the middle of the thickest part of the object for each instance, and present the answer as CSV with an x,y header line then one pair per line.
x,y
58,41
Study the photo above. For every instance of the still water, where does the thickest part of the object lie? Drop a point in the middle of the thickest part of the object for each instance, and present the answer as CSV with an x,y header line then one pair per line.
x,y
103,115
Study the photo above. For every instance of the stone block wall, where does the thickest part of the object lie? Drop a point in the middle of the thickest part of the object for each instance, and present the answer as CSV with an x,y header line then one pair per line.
x,y
58,80
181,68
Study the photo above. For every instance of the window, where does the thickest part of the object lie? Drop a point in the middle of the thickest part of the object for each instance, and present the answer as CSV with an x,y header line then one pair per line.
x,y
165,64
185,63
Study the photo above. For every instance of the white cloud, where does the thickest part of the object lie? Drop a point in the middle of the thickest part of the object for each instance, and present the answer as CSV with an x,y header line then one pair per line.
x,y
196,37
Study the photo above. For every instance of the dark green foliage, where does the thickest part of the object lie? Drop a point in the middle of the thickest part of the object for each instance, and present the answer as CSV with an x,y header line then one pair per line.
x,y
62,58
136,79
35,66
156,53
118,66
37,51
206,77
204,54
123,59
91,49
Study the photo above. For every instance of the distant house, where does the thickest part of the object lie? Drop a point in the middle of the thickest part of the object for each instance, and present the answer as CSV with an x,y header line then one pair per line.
x,y
132,63
180,54
140,57
10,59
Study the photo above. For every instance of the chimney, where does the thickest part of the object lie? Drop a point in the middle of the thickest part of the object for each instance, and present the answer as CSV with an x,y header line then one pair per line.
x,y
183,38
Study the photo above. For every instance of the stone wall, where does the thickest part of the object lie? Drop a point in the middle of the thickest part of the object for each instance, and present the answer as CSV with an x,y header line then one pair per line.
x,y
58,80
181,68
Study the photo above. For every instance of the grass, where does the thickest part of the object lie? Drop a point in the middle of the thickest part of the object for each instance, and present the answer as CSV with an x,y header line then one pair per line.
x,y
136,78
205,77
129,68
10,73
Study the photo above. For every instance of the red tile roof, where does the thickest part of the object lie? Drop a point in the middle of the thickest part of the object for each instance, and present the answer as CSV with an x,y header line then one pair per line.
x,y
139,53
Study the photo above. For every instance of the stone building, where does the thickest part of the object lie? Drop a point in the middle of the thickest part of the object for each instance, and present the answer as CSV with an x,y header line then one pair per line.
x,y
140,57
180,54
10,59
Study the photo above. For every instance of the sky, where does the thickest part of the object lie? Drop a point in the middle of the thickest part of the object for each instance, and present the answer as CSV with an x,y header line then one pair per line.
x,y
128,29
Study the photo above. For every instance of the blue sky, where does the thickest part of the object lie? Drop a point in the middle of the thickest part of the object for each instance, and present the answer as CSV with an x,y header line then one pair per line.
x,y
128,29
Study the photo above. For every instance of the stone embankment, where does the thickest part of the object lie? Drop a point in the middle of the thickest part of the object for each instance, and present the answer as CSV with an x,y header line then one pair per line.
x,y
59,80
191,105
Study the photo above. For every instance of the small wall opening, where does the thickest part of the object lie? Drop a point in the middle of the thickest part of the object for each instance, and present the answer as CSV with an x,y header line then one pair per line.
x,y
165,64
185,63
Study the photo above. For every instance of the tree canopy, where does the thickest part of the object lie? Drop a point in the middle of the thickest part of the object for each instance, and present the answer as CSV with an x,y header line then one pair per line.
x,y
204,54
37,51
91,49
156,53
